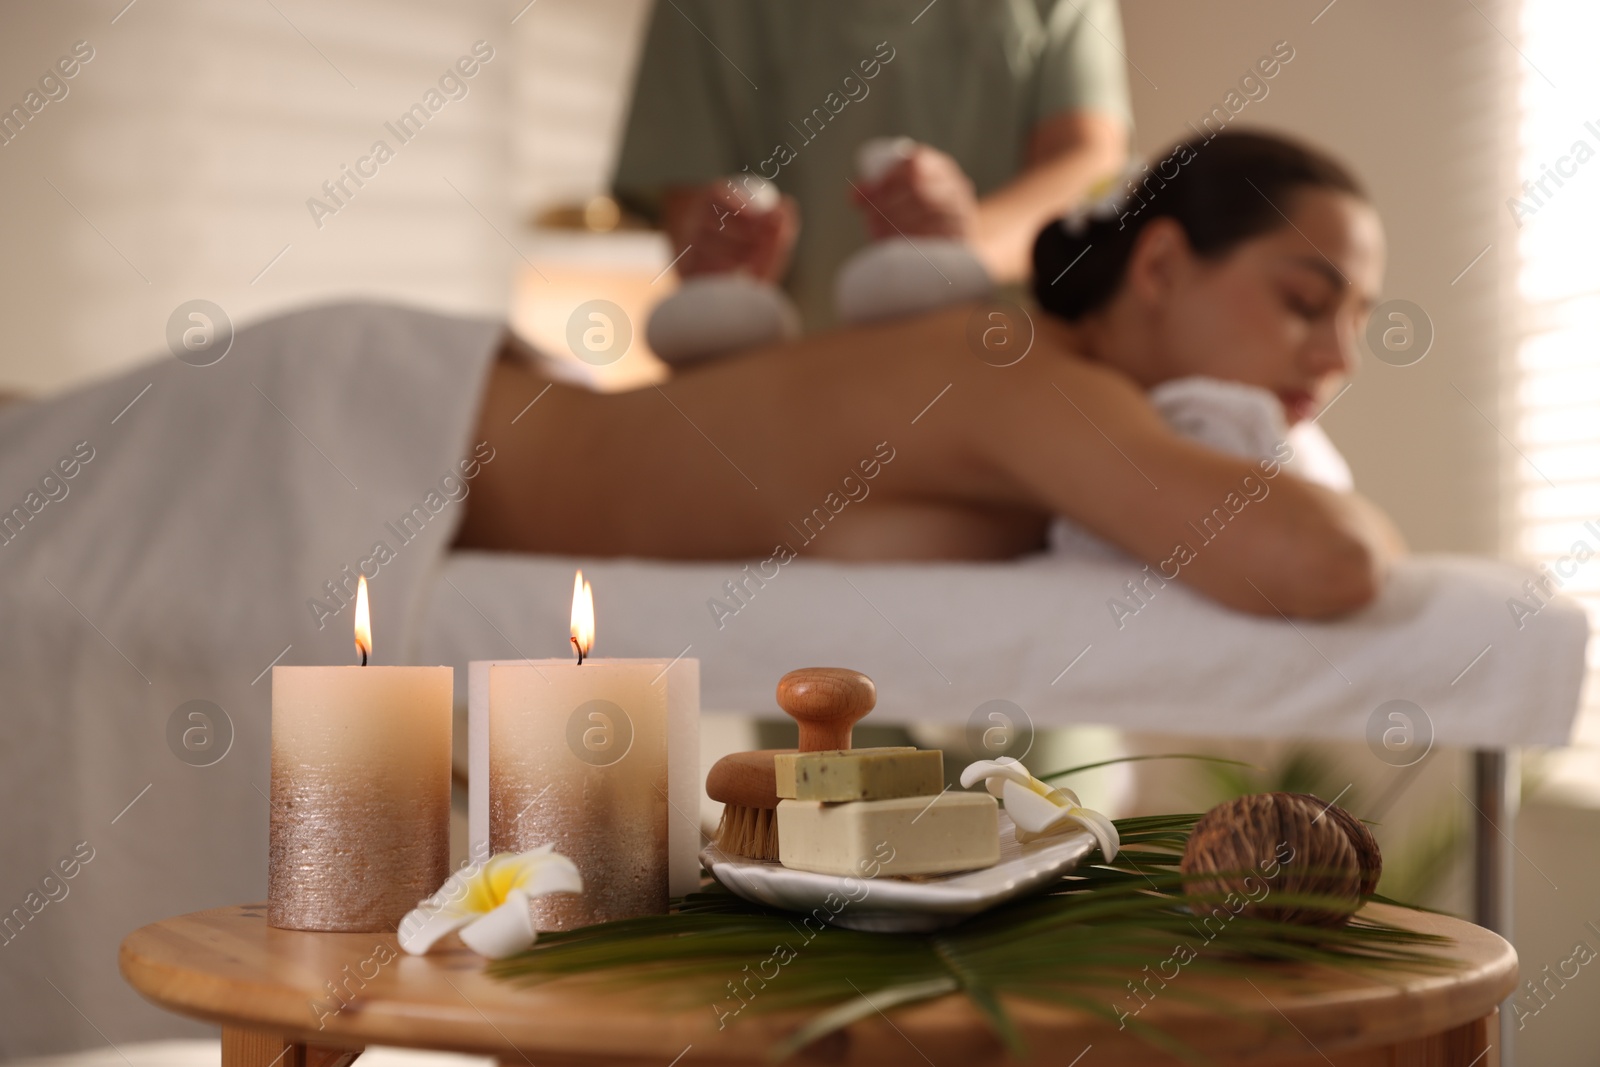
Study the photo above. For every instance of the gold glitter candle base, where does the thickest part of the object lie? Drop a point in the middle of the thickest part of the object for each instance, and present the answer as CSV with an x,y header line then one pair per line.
x,y
555,778
618,844
341,859
360,807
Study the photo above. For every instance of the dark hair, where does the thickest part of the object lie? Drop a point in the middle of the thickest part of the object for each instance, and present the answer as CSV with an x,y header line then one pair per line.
x,y
1223,190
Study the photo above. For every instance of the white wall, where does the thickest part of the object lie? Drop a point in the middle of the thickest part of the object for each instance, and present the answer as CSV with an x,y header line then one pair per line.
x,y
192,140
1416,97
190,144
1559,1025
575,64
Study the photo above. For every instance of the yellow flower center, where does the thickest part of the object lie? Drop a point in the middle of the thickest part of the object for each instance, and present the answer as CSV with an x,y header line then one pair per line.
x,y
1050,793
489,889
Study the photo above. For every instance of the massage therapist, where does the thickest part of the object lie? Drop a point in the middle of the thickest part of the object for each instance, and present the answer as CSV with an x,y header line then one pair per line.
x,y
1017,107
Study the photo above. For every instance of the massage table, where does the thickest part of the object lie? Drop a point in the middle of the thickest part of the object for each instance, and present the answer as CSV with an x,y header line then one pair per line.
x,y
942,639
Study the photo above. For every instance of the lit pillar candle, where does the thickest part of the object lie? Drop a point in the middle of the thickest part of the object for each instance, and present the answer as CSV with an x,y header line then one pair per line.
x,y
682,678
578,757
360,809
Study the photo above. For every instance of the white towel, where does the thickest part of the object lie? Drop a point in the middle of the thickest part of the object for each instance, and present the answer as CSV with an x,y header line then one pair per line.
x,y
1241,420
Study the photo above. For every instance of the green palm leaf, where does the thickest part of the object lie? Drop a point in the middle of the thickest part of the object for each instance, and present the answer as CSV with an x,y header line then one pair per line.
x,y
1079,945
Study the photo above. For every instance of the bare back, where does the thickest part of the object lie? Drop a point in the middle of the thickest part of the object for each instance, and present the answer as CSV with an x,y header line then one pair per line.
x,y
897,443
849,445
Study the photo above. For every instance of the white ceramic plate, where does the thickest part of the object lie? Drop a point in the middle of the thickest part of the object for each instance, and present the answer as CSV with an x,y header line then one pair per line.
x,y
896,905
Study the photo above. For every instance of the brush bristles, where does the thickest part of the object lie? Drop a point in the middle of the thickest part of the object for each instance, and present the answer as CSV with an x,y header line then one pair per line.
x,y
751,832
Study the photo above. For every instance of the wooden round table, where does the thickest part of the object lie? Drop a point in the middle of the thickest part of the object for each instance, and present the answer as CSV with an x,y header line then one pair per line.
x,y
286,998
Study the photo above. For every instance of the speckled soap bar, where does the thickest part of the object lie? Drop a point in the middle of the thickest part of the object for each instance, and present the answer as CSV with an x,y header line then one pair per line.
x,y
905,836
859,774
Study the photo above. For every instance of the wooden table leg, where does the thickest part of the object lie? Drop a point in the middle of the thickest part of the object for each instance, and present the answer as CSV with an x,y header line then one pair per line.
x,y
254,1048
258,1048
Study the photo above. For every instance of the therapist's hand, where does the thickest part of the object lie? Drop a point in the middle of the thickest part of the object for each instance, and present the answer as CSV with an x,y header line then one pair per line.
x,y
927,194
718,232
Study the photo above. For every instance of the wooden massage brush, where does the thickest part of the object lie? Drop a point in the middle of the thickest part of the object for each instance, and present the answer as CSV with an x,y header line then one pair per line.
x,y
826,702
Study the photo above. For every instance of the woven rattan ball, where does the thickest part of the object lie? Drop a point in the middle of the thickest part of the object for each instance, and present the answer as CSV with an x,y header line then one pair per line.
x,y
1270,850
1361,839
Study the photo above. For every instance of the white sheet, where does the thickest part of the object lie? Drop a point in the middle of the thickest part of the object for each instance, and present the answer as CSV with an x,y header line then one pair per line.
x,y
176,567
940,640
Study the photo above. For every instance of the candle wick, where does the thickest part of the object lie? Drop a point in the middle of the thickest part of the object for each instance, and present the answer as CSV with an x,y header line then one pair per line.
x,y
363,657
580,650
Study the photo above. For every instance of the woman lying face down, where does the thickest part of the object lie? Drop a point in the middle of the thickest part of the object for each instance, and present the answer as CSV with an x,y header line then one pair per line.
x,y
1256,262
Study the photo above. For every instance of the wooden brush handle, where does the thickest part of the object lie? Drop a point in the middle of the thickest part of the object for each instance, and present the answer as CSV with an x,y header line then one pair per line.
x,y
747,779
826,702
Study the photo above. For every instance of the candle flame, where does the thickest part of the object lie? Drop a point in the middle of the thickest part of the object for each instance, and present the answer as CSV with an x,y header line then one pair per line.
x,y
363,621
582,616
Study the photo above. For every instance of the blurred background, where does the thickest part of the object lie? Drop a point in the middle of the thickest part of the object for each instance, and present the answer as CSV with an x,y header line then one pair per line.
x,y
181,160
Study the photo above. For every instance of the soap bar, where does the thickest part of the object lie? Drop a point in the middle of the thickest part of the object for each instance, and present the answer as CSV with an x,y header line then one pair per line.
x,y
906,835
860,774
785,767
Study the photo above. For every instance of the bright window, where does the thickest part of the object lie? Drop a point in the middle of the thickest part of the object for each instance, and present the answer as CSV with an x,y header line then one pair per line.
x,y
1556,397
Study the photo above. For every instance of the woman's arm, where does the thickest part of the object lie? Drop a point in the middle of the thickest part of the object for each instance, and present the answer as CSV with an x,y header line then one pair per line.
x,y
1249,535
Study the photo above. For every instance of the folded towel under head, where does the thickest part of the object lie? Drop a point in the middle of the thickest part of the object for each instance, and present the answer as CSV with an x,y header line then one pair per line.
x,y
1241,420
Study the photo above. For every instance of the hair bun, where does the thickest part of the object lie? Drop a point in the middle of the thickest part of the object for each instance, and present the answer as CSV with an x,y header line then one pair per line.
x,y
1078,262
1222,189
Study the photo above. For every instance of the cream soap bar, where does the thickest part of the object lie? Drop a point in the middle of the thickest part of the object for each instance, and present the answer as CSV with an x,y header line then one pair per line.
x,y
859,774
905,835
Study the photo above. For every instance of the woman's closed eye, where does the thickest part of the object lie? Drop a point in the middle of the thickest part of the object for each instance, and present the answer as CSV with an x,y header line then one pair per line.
x,y
1312,288
1309,307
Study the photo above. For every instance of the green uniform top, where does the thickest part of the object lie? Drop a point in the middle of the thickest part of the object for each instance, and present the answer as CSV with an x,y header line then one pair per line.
x,y
789,89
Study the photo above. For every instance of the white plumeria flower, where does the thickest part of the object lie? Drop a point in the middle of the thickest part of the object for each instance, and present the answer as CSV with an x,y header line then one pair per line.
x,y
1037,808
489,904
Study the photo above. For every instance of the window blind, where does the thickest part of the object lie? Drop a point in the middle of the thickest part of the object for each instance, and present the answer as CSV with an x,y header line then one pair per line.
x,y
1555,398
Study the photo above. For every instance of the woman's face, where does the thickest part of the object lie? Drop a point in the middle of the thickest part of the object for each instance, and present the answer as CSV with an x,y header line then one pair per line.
x,y
1283,310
